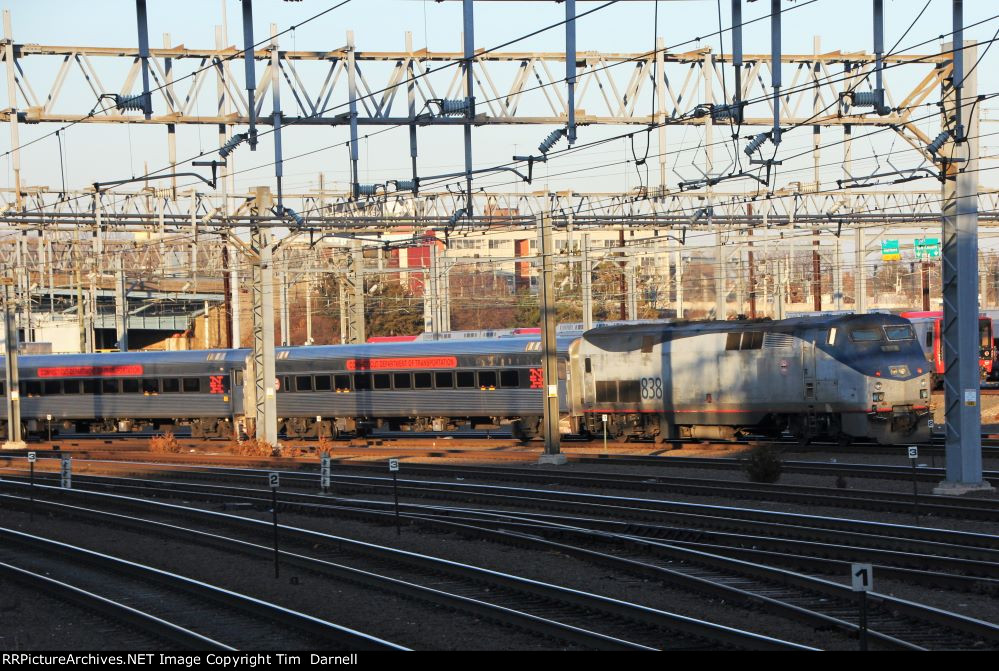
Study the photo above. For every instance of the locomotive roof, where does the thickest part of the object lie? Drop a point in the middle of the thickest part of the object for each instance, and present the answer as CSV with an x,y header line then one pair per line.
x,y
695,327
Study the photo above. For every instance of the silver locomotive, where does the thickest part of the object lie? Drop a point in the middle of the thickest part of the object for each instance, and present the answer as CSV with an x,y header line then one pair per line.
x,y
839,377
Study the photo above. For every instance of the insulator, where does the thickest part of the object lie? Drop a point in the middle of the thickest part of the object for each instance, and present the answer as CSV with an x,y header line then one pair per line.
x,y
136,102
938,142
550,141
455,217
454,107
405,185
295,216
724,112
231,144
756,143
368,189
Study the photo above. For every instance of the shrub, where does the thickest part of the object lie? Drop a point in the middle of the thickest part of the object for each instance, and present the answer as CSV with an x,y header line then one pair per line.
x,y
165,443
764,464
252,448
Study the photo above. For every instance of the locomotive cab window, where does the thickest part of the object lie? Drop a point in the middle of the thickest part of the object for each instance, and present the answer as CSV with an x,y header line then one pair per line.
x,y
865,335
903,332
831,339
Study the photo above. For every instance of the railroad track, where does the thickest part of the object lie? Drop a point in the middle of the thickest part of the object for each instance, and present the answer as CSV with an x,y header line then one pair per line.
x,y
542,608
636,510
192,613
895,623
871,500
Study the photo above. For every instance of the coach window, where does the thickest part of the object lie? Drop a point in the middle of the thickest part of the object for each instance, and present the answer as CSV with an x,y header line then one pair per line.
x,y
444,380
402,381
382,381
171,385
91,387
150,385
342,382
3,389
52,387
31,388
487,379
324,382
285,384
69,387
192,384
130,385
362,381
466,380
423,380
238,377
303,383
109,386
510,378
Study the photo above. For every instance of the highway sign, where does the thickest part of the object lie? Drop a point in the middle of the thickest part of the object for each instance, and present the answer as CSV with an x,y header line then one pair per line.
x,y
890,250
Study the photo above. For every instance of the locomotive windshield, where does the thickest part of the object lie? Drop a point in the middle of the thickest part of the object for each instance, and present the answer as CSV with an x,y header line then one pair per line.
x,y
903,332
866,335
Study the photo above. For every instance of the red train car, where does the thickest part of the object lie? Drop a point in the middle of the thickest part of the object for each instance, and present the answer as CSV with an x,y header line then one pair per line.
x,y
928,327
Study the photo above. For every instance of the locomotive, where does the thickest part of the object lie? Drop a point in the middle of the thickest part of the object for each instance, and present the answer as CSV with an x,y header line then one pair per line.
x,y
842,377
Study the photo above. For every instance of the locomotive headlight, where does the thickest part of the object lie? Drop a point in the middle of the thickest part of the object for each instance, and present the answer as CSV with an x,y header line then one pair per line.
x,y
923,383
879,396
878,385
924,393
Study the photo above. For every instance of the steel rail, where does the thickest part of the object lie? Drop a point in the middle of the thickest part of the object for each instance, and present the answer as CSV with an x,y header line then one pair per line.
x,y
114,610
256,609
639,616
968,545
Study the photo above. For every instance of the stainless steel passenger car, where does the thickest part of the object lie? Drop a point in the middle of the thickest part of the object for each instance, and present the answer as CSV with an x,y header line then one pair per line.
x,y
844,376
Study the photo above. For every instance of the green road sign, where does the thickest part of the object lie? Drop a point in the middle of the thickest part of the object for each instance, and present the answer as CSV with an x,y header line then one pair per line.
x,y
890,250
927,249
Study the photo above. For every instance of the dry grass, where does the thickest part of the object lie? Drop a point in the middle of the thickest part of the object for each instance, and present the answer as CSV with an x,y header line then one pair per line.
x,y
165,443
252,448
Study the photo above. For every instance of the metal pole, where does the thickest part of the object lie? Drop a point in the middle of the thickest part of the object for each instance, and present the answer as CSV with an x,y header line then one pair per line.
x,y
469,35
548,349
15,142
915,489
960,285
277,554
140,17
587,282
570,67
121,306
395,493
251,75
10,370
863,621
277,116
352,101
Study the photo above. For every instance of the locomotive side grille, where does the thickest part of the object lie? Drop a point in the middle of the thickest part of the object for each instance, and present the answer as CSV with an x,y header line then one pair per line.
x,y
777,340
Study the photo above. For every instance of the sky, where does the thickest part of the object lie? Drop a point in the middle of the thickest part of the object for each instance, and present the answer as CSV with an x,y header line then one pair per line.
x,y
105,152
